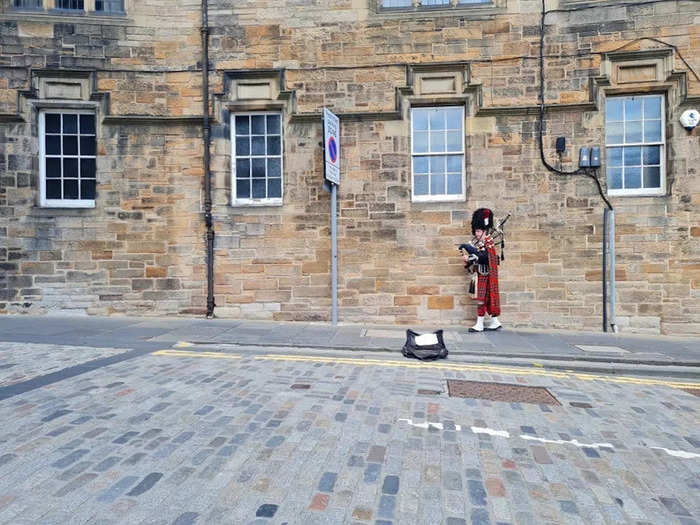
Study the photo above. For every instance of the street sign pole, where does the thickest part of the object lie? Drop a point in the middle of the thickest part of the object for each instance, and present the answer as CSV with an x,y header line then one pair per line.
x,y
331,146
334,256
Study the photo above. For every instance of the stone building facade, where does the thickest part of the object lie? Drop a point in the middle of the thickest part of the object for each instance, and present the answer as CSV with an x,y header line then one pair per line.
x,y
102,177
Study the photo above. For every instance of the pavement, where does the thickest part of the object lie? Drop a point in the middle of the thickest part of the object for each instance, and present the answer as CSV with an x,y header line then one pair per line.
x,y
583,351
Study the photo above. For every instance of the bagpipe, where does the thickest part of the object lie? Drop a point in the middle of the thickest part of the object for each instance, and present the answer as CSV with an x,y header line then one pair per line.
x,y
477,246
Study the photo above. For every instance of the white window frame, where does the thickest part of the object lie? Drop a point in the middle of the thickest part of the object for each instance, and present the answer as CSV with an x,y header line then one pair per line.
x,y
446,197
61,203
275,201
661,190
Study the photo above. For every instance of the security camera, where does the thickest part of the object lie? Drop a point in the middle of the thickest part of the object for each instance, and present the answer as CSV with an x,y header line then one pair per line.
x,y
690,118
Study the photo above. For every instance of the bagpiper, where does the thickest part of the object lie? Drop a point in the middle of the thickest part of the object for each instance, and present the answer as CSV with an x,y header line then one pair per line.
x,y
480,257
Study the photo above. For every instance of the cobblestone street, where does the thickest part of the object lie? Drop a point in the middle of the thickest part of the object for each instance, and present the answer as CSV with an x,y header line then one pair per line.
x,y
186,436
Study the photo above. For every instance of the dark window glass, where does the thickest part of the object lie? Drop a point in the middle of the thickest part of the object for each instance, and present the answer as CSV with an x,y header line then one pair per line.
x,y
242,125
242,146
273,124
53,168
258,168
274,167
70,144
242,168
259,188
70,4
87,169
273,145
53,145
259,145
109,6
53,188
274,188
87,189
70,188
70,168
258,124
70,123
28,4
53,123
87,124
243,189
87,145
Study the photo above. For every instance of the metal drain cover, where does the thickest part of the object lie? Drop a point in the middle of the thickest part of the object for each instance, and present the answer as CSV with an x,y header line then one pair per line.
x,y
504,392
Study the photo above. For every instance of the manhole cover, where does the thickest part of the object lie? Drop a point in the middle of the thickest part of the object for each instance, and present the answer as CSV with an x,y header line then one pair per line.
x,y
602,349
500,392
299,386
694,391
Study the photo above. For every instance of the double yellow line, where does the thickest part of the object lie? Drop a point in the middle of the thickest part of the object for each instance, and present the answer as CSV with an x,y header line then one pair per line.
x,y
538,370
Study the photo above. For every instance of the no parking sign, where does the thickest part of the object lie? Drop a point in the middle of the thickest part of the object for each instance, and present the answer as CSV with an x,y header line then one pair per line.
x,y
331,142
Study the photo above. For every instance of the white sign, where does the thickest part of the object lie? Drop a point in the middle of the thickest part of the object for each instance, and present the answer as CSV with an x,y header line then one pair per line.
x,y
331,144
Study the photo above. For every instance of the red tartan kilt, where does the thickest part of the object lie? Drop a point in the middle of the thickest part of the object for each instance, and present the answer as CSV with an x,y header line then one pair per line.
x,y
491,299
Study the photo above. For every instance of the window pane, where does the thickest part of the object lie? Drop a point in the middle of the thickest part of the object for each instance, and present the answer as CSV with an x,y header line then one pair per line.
x,y
437,184
53,168
243,189
259,188
613,109
434,2
28,3
258,124
420,185
614,156
652,177
397,3
243,145
70,168
87,169
87,124
420,120
437,164
70,123
454,141
420,164
652,108
258,168
87,145
454,118
274,188
633,108
242,125
273,124
652,131
633,131
652,155
87,189
258,145
454,163
633,156
53,123
53,144
614,178
633,178
273,146
70,144
613,132
53,188
242,168
437,141
274,167
420,142
437,119
70,188
454,183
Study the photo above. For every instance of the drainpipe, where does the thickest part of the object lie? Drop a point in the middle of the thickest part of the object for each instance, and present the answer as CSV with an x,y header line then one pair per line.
x,y
605,269
207,171
613,321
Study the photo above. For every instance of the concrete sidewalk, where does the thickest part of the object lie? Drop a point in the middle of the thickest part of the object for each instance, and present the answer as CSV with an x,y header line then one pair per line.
x,y
541,345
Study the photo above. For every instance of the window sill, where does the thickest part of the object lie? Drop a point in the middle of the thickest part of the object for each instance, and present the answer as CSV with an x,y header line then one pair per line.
x,y
65,15
43,211
637,193
250,203
68,204
438,198
476,10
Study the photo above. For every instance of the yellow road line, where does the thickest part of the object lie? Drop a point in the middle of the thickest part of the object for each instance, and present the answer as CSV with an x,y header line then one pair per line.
x,y
183,353
480,368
